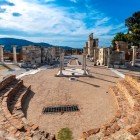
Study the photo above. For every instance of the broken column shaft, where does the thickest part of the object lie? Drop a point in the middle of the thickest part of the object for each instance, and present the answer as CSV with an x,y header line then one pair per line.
x,y
14,54
1,54
134,55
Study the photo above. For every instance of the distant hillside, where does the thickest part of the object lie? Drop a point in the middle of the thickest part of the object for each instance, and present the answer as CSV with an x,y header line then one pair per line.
x,y
8,42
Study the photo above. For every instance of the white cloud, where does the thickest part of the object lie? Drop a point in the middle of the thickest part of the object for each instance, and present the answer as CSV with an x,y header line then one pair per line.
x,y
54,23
75,1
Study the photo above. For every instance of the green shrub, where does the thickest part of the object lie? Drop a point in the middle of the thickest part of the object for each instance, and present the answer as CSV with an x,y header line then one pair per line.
x,y
64,134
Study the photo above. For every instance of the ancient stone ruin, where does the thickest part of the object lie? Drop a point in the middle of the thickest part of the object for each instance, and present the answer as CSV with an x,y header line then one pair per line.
x,y
126,121
13,122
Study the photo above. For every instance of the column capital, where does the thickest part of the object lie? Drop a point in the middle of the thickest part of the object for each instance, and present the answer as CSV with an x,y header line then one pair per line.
x,y
134,47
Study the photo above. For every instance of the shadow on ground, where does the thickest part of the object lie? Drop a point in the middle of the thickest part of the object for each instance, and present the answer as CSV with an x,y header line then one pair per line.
x,y
97,86
27,101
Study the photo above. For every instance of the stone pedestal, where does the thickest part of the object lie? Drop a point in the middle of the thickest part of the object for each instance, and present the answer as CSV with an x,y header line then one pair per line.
x,y
14,55
134,55
1,54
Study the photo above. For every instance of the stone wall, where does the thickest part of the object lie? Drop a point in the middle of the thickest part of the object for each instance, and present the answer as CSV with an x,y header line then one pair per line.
x,y
6,80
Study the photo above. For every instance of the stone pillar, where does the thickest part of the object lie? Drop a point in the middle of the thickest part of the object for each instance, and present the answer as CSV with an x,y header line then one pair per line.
x,y
104,56
90,46
84,63
94,56
63,61
108,58
61,67
14,54
1,54
134,55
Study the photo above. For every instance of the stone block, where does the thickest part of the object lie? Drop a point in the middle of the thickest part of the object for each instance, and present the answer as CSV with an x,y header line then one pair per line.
x,y
134,130
106,133
118,114
93,131
35,127
116,127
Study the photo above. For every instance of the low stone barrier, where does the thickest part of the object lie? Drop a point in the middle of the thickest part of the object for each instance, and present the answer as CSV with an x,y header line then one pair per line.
x,y
13,121
6,81
125,124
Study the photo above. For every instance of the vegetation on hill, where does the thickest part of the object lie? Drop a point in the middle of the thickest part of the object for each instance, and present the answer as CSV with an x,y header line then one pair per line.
x,y
8,42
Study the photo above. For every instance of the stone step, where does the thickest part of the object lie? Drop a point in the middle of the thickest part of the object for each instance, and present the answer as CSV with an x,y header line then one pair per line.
x,y
133,81
20,98
129,92
14,87
6,81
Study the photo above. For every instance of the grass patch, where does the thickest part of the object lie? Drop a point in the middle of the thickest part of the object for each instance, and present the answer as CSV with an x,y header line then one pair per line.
x,y
64,134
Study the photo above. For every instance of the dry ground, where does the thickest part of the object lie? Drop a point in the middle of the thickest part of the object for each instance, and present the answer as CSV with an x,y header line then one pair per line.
x,y
96,105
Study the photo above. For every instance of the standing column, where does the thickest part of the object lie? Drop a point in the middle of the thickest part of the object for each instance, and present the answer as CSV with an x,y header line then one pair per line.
x,y
94,56
14,54
84,64
103,63
63,61
134,55
1,54
61,65
108,58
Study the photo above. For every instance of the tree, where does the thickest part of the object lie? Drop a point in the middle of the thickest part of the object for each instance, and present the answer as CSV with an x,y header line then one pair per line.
x,y
64,134
119,37
133,24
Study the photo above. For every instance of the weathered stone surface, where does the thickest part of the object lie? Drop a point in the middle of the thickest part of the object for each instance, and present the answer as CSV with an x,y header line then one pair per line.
x,y
93,131
118,114
134,130
116,127
106,133
113,120
34,127
111,130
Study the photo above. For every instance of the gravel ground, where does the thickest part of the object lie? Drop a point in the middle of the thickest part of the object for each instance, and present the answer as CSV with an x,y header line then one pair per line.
x,y
90,94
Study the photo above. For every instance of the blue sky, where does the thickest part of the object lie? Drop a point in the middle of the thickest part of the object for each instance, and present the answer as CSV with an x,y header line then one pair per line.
x,y
65,22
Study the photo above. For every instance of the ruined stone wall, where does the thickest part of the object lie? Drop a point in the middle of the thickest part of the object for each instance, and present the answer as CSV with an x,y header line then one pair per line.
x,y
103,55
121,46
125,125
6,81
31,54
117,58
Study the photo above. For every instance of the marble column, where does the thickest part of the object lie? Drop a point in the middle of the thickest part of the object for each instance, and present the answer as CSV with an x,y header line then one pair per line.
x,y
108,58
14,54
63,61
94,56
61,67
84,64
1,54
134,55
